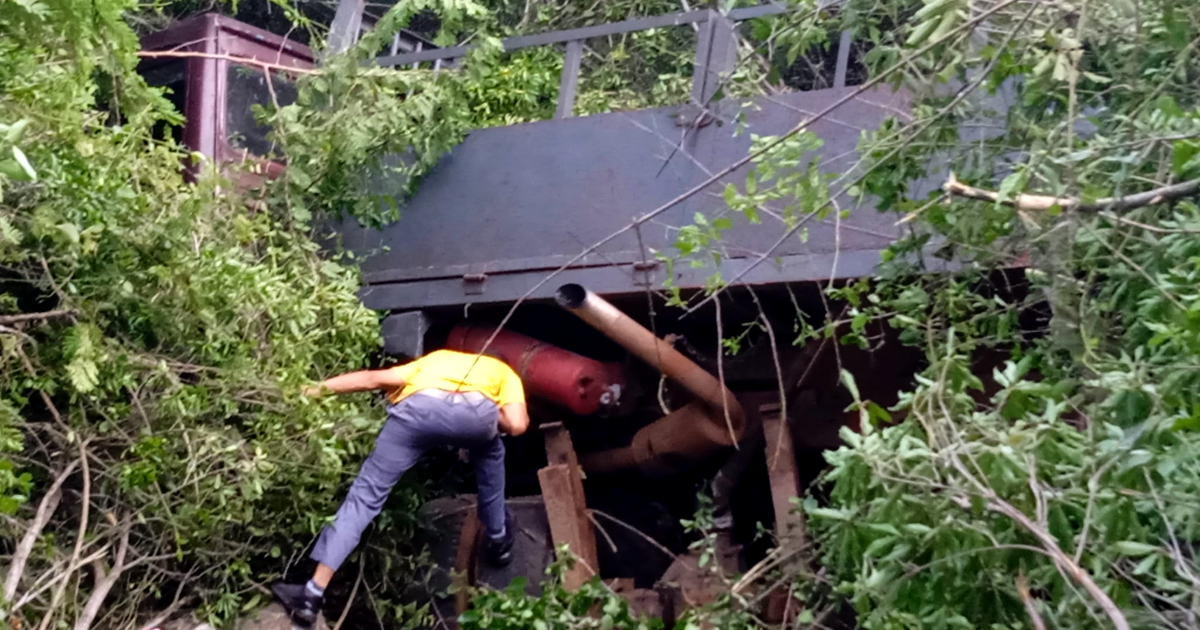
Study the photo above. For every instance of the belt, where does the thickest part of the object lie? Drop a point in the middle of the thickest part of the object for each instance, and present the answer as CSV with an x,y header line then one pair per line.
x,y
472,397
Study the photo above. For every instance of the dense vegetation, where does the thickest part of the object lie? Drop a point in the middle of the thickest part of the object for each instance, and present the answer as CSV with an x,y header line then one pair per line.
x,y
154,332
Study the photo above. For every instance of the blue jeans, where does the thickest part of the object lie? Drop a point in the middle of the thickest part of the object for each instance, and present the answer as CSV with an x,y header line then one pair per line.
x,y
424,420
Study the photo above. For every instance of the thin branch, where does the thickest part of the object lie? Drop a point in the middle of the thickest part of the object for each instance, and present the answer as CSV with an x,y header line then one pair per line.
x,y
657,545
1034,617
1064,562
28,317
104,582
362,562
250,61
45,510
81,535
1043,203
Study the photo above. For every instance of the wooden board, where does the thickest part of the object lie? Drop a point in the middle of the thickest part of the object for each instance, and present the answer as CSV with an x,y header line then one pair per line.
x,y
570,523
785,482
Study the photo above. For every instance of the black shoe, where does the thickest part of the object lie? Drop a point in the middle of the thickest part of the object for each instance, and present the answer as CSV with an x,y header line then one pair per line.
x,y
301,606
499,552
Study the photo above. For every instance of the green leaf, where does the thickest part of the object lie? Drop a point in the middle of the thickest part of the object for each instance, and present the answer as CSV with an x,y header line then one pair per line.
x,y
69,230
1133,548
849,383
19,156
15,130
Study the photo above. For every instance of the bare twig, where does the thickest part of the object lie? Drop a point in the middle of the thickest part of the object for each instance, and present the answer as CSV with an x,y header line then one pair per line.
x,y
1064,562
604,532
80,536
1023,590
1034,203
645,536
250,61
45,510
1145,226
105,580
362,562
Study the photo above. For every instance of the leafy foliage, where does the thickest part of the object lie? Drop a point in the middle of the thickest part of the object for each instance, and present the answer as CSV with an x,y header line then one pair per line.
x,y
156,332
593,605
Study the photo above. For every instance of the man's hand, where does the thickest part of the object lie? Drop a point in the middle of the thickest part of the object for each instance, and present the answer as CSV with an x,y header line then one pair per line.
x,y
514,419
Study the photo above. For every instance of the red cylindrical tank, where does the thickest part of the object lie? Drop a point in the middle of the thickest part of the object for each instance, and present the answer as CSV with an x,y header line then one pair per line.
x,y
573,381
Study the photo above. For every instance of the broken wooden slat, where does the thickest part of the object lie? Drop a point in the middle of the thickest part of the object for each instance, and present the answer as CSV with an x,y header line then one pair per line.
x,y
569,521
465,557
785,481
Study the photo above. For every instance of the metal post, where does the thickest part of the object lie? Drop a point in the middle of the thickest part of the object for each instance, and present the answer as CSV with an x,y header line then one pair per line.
x,y
569,79
347,22
716,56
843,61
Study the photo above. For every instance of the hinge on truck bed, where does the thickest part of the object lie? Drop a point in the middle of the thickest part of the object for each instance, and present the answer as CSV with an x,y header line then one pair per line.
x,y
643,271
473,283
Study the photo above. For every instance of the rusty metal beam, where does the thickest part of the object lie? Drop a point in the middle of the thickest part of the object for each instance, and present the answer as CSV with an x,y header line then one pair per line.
x,y
569,80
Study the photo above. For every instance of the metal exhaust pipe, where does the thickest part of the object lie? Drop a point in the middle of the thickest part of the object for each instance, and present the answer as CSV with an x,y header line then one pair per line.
x,y
719,424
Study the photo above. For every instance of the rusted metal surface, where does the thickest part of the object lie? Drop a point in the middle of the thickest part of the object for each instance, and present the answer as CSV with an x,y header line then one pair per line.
x,y
669,446
582,385
682,438
214,109
552,189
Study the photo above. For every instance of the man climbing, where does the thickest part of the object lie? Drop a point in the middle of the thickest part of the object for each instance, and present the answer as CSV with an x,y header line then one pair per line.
x,y
445,398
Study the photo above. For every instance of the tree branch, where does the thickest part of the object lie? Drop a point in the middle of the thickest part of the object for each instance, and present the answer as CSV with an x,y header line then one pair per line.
x,y
26,317
1046,202
249,61
104,582
45,510
1027,598
1060,558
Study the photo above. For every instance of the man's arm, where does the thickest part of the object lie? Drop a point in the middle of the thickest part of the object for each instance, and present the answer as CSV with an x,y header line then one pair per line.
x,y
514,419
360,381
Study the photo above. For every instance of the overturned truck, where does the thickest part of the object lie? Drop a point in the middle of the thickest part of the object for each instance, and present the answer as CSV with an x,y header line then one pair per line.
x,y
537,244
525,243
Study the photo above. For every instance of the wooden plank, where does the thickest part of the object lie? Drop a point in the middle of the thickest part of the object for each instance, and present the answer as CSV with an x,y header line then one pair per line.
x,y
569,79
570,523
465,558
559,447
785,482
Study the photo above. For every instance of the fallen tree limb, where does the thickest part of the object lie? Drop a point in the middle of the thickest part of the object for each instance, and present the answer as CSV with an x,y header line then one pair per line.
x,y
1043,203
1065,564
